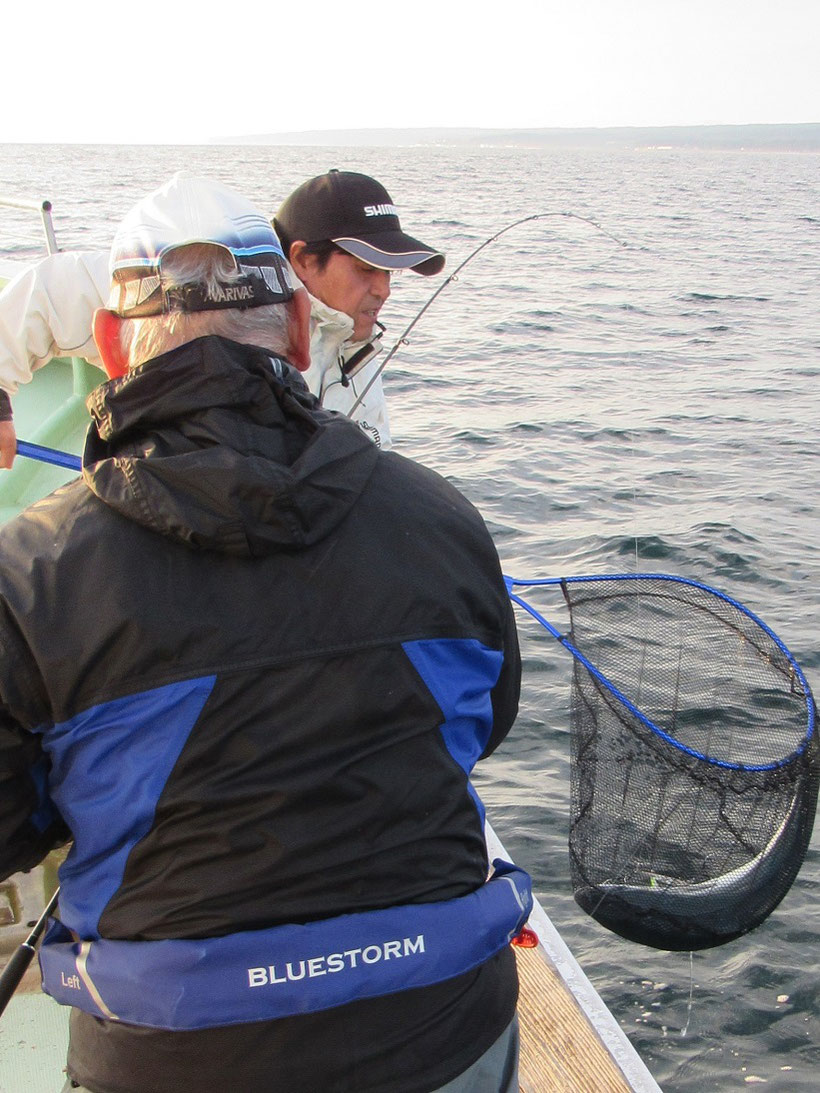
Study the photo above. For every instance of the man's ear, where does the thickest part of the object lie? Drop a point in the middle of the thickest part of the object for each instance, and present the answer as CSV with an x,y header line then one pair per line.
x,y
298,259
107,336
299,330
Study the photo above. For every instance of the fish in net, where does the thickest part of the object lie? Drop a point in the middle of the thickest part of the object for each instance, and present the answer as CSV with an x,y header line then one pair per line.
x,y
695,761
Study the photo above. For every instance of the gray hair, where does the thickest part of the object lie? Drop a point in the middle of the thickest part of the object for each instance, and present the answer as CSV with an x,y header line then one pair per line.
x,y
203,264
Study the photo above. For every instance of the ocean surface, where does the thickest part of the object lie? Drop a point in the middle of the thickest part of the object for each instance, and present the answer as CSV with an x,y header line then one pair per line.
x,y
640,395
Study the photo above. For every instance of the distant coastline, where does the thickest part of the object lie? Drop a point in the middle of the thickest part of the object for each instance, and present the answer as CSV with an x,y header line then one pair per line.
x,y
797,137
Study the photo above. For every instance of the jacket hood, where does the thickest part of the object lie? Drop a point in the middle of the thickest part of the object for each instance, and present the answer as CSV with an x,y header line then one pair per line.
x,y
220,446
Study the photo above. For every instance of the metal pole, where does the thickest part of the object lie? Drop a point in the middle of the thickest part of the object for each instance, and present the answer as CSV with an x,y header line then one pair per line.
x,y
41,207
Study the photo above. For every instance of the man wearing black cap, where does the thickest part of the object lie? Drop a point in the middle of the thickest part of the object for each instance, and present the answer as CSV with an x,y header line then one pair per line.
x,y
341,232
254,717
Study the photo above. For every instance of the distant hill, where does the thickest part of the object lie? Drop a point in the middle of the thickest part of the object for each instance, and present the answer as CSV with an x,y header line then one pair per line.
x,y
791,137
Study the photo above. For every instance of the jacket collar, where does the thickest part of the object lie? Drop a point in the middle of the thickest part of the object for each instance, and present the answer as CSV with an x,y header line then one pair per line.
x,y
221,446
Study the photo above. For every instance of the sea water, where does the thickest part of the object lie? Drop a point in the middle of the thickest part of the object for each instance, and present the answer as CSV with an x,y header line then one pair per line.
x,y
639,396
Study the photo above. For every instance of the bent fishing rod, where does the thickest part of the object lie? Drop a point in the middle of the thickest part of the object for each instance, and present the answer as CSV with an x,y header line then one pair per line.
x,y
73,462
402,338
16,968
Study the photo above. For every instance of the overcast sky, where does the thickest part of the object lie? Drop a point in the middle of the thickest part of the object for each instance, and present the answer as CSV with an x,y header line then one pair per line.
x,y
178,72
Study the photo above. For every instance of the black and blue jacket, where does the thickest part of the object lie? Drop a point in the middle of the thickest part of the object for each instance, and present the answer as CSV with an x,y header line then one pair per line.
x,y
248,662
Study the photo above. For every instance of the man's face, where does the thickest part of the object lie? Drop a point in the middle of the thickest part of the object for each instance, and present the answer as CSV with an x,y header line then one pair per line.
x,y
347,284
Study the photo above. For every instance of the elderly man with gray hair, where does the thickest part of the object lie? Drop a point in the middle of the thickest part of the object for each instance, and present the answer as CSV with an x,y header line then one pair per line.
x,y
250,661
342,235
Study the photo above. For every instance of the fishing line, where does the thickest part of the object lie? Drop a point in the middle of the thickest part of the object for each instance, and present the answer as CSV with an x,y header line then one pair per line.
x,y
685,1028
634,461
70,462
402,339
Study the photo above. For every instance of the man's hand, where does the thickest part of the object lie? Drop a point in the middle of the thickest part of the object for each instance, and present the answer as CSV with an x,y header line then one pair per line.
x,y
8,443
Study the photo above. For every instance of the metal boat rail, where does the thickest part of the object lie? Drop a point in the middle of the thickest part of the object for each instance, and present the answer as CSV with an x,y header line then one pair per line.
x,y
41,207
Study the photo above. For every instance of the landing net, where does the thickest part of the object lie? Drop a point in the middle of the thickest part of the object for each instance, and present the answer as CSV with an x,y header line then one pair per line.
x,y
695,762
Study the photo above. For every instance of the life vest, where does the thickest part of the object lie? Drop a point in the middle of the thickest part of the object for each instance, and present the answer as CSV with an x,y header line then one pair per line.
x,y
285,970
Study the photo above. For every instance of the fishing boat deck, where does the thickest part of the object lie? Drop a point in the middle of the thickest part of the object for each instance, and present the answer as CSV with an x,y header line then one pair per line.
x,y
570,1042
560,1049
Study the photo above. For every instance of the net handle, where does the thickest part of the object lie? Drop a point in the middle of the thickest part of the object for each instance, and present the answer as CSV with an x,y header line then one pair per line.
x,y
49,455
512,582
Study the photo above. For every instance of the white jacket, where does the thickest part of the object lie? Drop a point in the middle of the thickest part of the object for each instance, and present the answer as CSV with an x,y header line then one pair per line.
x,y
330,349
47,310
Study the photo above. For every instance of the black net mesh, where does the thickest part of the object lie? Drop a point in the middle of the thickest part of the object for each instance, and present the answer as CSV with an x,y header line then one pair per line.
x,y
686,842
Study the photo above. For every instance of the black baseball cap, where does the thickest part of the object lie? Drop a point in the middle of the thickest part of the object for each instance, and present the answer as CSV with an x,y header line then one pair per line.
x,y
357,214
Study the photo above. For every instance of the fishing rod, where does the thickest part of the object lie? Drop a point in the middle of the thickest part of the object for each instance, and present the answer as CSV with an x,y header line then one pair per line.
x,y
16,968
72,462
402,338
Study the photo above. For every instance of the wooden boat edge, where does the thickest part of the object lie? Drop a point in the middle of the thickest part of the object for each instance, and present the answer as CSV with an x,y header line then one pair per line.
x,y
594,1019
